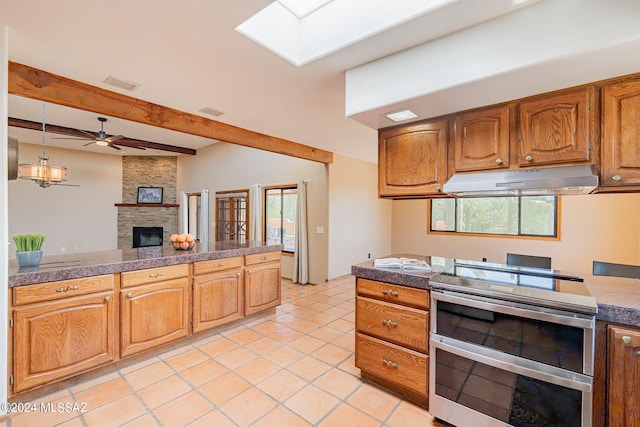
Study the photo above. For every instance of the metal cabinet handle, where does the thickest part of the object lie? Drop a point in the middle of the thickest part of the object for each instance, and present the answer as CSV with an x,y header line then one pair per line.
x,y
107,298
218,265
68,288
528,158
130,295
153,275
626,339
389,322
160,274
390,363
390,292
438,189
616,178
498,161
238,274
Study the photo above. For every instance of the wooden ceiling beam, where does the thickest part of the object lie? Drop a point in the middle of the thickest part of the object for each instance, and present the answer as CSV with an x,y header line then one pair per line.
x,y
126,142
44,86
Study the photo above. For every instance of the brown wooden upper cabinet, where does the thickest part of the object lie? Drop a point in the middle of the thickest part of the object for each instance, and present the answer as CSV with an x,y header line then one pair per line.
x,y
412,160
481,140
621,134
556,129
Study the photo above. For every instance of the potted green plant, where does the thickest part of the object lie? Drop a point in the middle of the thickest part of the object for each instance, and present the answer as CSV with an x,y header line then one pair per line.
x,y
29,249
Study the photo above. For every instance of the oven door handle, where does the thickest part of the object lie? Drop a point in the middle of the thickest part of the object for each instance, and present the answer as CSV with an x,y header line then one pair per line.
x,y
510,363
512,308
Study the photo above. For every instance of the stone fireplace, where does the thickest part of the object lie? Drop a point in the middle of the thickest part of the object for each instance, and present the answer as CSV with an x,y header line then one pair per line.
x,y
147,171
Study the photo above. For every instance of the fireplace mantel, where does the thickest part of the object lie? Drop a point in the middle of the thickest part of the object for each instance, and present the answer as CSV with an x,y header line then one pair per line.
x,y
147,205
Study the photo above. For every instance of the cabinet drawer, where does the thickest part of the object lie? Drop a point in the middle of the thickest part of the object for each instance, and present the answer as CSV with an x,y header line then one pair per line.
x,y
397,365
211,266
399,294
151,275
402,325
260,258
62,289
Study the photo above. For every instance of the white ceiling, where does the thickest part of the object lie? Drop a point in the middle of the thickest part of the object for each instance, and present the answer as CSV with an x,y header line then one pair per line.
x,y
187,55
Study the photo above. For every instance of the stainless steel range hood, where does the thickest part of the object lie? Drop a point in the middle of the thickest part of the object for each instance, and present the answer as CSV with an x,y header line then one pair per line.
x,y
524,182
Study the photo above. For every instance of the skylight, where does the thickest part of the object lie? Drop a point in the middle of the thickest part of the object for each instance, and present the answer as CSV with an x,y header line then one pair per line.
x,y
302,31
302,8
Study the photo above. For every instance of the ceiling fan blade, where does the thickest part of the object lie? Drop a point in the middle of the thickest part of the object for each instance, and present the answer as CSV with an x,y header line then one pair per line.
x,y
128,145
114,147
89,143
114,138
77,139
90,134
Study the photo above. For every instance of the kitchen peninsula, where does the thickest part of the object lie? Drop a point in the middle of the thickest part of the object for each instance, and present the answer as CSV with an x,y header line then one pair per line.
x,y
400,297
77,312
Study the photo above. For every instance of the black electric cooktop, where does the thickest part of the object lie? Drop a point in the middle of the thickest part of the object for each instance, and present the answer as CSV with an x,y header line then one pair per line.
x,y
515,283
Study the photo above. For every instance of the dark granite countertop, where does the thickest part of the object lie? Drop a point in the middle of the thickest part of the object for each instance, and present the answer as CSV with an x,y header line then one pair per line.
x,y
72,266
618,298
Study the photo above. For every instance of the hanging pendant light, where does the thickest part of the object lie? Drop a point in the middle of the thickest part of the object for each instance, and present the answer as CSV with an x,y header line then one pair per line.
x,y
41,172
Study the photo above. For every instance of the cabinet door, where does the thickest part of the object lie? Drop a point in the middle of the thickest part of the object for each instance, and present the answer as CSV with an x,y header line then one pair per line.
x,y
262,287
217,299
556,129
153,314
412,161
621,134
481,140
623,377
57,339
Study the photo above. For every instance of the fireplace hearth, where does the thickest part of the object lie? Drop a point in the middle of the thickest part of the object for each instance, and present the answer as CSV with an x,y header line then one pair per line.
x,y
147,236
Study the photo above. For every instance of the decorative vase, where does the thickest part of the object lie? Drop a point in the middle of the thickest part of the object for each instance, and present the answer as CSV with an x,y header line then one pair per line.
x,y
29,259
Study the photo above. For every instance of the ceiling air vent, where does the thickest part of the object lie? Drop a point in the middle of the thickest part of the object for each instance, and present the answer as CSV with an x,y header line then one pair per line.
x,y
122,84
210,111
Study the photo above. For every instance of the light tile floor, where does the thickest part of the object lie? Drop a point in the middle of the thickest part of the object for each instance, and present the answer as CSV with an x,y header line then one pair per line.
x,y
294,367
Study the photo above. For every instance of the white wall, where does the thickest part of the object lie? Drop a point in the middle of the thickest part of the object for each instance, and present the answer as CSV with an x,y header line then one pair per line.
x,y
76,219
4,270
359,221
601,227
224,167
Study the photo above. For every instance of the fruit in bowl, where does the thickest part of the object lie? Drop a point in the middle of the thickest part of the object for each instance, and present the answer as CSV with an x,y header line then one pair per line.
x,y
183,241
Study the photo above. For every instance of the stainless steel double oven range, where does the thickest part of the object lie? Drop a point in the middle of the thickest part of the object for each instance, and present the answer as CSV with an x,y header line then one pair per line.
x,y
510,346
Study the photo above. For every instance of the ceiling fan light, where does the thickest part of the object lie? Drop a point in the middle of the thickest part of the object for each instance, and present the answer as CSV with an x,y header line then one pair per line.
x,y
101,142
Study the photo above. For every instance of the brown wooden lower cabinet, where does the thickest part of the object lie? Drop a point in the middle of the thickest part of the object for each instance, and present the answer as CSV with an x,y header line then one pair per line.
x,y
153,314
218,298
61,329
60,337
261,287
407,369
392,329
623,376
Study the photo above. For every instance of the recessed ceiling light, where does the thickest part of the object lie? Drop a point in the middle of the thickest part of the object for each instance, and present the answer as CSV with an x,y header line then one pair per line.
x,y
122,84
211,111
398,116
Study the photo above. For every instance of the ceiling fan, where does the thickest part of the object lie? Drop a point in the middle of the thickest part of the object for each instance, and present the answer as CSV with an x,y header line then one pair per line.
x,y
101,138
79,134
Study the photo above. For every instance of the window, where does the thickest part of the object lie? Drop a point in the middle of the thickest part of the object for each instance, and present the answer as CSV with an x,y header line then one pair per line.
x,y
280,216
535,216
231,215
